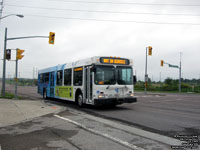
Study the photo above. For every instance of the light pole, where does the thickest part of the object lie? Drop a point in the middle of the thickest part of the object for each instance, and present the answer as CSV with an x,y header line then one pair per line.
x,y
4,55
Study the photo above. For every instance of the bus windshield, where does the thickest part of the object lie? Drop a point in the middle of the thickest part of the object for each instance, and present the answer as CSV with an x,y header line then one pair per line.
x,y
105,75
124,75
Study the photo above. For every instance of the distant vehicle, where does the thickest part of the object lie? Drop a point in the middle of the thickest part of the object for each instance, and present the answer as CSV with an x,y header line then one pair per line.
x,y
95,81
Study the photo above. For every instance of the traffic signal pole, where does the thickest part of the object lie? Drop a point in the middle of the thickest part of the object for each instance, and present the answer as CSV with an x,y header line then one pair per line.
x,y
146,76
179,88
4,56
4,66
16,79
175,66
149,48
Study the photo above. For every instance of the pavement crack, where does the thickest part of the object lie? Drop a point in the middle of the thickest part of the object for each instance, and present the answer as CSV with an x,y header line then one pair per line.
x,y
19,110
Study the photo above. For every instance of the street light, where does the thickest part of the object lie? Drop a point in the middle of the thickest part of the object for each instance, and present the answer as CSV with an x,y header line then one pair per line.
x,y
18,15
4,56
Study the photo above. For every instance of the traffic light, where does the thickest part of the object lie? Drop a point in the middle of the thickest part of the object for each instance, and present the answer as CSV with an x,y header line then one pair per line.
x,y
19,54
51,37
150,50
8,54
161,63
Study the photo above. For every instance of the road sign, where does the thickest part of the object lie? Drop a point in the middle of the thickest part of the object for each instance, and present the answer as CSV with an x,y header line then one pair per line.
x,y
173,66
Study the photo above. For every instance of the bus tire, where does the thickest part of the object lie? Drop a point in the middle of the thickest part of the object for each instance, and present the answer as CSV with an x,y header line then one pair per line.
x,y
80,100
45,94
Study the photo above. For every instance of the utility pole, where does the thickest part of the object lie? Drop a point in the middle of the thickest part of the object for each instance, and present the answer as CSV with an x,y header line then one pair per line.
x,y
33,72
180,74
36,73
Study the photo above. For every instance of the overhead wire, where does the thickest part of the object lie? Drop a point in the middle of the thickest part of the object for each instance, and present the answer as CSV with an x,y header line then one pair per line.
x,y
100,11
129,3
109,20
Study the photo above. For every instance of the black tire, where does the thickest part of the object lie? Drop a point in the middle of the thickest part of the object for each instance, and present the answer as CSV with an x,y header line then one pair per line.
x,y
80,100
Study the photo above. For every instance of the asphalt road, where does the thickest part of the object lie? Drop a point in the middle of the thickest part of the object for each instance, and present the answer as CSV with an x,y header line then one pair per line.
x,y
166,114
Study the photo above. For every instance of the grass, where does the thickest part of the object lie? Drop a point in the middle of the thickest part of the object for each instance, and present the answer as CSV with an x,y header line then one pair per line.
x,y
160,91
10,96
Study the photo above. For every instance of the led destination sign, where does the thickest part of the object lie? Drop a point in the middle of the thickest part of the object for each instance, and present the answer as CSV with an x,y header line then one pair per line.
x,y
121,61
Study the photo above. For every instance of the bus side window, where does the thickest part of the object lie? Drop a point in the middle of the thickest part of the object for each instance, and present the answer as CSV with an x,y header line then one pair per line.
x,y
59,77
46,77
67,76
40,78
78,76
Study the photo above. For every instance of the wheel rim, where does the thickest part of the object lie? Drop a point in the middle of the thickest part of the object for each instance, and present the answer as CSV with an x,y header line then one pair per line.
x,y
80,100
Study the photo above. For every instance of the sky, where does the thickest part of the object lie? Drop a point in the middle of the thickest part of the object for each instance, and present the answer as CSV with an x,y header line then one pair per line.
x,y
87,28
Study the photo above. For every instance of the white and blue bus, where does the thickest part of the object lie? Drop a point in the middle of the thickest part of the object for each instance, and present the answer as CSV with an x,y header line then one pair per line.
x,y
96,81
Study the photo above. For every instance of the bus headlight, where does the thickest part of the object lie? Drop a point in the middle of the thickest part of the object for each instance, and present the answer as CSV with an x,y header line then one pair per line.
x,y
130,94
101,95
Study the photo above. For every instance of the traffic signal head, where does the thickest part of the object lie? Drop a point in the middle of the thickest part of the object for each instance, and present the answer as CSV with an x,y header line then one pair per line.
x,y
8,54
19,54
161,63
150,50
51,37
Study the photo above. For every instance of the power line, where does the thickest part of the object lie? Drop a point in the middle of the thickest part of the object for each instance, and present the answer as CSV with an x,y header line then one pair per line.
x,y
108,20
99,11
128,3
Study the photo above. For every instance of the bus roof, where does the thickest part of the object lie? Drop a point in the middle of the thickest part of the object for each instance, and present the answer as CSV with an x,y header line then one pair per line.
x,y
93,60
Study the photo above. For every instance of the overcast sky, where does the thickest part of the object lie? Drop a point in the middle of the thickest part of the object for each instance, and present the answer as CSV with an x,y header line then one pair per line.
x,y
122,28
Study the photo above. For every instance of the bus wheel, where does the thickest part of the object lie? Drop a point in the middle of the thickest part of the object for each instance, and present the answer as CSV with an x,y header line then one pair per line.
x,y
80,100
45,94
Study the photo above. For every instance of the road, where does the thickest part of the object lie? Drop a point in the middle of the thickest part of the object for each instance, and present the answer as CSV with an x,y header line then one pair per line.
x,y
167,114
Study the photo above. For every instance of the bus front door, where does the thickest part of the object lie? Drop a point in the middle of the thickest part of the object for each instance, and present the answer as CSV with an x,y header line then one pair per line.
x,y
88,84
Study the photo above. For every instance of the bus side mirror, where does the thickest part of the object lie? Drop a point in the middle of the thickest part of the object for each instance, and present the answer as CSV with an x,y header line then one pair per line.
x,y
134,80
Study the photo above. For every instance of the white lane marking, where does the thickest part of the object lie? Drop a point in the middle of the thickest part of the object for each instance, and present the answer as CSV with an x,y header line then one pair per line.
x,y
154,101
134,147
170,100
0,147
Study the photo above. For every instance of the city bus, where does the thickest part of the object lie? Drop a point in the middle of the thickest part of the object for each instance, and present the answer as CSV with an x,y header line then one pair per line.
x,y
95,81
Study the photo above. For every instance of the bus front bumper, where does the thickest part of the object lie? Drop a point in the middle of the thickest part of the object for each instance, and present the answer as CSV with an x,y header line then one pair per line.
x,y
115,101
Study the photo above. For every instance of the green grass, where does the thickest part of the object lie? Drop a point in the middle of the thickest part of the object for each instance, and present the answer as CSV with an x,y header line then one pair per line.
x,y
11,96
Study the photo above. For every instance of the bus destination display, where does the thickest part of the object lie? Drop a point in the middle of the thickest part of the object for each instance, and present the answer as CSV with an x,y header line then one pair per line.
x,y
106,60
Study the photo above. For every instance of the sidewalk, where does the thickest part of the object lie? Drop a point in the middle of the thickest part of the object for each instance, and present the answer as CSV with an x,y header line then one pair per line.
x,y
16,111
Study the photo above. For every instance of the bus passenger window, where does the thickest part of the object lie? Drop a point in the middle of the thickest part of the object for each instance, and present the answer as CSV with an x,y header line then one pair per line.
x,y
78,76
67,76
46,77
59,77
41,78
